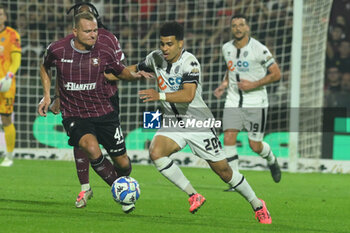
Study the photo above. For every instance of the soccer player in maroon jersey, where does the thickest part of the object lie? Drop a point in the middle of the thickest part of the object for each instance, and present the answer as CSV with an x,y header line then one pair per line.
x,y
89,116
81,158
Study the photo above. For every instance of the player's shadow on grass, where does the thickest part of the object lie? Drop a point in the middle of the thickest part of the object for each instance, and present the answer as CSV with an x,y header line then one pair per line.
x,y
31,202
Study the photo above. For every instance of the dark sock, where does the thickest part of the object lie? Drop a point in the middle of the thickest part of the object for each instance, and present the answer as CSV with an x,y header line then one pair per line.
x,y
104,169
82,164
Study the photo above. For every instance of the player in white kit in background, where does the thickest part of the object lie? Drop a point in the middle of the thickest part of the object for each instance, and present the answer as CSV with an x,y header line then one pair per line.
x,y
250,67
179,84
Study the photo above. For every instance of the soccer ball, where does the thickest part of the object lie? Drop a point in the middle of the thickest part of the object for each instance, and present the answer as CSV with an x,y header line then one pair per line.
x,y
126,190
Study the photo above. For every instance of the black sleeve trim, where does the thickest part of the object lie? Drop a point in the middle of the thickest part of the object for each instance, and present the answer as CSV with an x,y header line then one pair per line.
x,y
190,77
142,66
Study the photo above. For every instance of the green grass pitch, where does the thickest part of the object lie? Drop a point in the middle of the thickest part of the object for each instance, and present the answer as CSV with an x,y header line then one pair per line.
x,y
38,196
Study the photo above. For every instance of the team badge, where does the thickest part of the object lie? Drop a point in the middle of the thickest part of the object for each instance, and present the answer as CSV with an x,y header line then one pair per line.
x,y
95,61
245,54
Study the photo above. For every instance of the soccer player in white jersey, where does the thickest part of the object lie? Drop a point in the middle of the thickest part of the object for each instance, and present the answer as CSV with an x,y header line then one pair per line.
x,y
179,86
250,66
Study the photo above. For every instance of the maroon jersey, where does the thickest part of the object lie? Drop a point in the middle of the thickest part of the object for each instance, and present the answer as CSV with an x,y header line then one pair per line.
x,y
84,91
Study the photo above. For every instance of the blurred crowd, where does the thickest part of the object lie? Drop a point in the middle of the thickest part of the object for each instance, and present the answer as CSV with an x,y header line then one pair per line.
x,y
207,26
337,74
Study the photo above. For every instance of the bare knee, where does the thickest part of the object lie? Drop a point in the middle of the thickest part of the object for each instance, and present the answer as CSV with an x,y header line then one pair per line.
x,y
122,161
162,146
230,137
155,154
90,145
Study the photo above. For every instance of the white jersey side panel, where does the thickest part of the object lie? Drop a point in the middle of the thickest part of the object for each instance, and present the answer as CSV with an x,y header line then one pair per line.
x,y
251,63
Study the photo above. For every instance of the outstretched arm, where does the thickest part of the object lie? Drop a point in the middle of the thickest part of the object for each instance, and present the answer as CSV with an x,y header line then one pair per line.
x,y
184,95
128,74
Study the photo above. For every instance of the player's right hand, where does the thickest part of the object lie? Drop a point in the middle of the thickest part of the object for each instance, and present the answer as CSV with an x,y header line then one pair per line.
x,y
144,74
43,106
219,91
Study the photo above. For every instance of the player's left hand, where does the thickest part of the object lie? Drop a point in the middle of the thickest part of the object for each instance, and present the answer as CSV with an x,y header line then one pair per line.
x,y
144,74
43,106
149,95
246,85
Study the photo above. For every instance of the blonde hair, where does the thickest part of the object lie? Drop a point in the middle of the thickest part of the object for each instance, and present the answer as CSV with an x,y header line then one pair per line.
x,y
83,15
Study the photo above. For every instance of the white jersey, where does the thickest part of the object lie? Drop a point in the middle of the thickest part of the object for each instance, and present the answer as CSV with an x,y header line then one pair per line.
x,y
251,63
171,78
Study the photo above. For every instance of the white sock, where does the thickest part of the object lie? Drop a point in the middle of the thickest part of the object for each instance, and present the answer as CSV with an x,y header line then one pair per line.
x,y
241,185
232,156
170,170
85,187
9,155
267,153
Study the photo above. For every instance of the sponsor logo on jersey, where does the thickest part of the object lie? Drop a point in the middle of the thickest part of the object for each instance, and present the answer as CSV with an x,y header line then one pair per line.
x,y
161,83
66,60
173,83
242,66
151,120
70,86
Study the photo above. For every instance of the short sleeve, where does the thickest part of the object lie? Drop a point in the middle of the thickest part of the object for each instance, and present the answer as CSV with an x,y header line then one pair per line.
x,y
118,49
48,58
264,56
116,66
191,71
146,64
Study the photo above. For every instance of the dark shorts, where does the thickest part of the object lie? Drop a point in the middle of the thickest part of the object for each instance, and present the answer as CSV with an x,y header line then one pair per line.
x,y
106,129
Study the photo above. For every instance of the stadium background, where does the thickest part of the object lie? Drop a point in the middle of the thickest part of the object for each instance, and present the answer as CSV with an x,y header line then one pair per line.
x,y
135,23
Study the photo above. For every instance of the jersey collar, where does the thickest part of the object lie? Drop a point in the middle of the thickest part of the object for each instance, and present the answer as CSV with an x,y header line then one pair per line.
x,y
233,43
78,50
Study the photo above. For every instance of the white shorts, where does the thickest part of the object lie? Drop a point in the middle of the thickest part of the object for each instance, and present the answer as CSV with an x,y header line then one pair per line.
x,y
205,145
252,120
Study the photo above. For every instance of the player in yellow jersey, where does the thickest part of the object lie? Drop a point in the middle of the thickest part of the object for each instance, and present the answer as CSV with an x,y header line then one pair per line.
x,y
10,60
